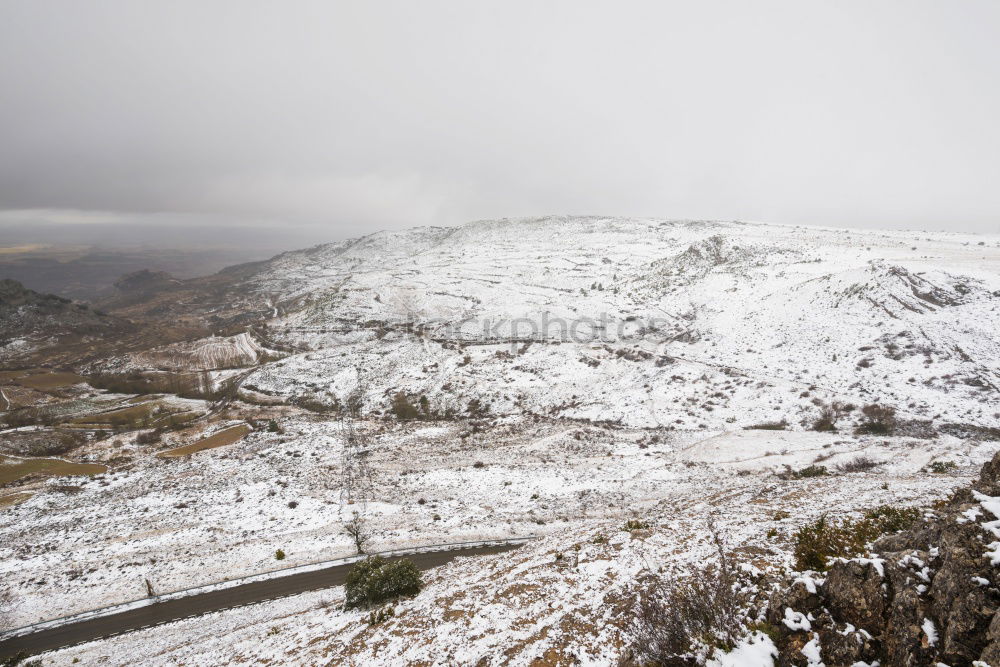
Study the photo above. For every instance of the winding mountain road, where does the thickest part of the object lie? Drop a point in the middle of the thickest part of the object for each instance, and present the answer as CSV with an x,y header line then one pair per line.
x,y
167,611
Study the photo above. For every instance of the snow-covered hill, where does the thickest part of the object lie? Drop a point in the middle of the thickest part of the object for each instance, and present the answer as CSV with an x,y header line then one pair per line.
x,y
654,323
685,332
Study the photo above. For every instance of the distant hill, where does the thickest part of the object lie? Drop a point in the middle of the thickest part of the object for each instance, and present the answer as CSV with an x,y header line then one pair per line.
x,y
32,323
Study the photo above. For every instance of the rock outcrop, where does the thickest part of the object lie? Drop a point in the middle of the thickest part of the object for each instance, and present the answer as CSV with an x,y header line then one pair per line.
x,y
926,596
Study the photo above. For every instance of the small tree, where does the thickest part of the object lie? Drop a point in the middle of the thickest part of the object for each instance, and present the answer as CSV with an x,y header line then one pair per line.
x,y
357,530
375,580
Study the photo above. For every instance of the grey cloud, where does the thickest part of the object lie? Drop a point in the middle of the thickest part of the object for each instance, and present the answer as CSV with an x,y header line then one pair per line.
x,y
350,116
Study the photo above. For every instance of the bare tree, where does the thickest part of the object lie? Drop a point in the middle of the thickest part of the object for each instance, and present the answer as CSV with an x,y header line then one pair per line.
x,y
357,529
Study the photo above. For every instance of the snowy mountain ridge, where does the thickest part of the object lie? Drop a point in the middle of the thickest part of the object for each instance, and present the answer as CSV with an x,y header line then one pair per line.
x,y
690,323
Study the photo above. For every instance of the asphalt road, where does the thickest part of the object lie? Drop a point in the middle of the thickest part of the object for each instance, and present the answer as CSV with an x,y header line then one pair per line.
x,y
204,603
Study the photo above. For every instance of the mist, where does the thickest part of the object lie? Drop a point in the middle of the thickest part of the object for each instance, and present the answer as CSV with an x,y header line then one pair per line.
x,y
315,121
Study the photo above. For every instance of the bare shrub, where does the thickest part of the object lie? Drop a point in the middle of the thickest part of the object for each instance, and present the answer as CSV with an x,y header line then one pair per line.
x,y
683,619
768,426
402,408
827,420
829,415
149,437
635,524
878,419
860,463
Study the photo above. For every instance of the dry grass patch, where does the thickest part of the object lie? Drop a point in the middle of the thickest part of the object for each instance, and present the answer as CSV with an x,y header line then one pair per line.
x,y
13,469
50,380
221,439
130,416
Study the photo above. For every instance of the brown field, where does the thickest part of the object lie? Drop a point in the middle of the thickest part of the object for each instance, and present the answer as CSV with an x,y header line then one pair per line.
x,y
49,380
221,439
131,415
175,419
12,469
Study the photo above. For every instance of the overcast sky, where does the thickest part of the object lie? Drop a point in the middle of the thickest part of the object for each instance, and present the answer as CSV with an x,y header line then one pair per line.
x,y
346,117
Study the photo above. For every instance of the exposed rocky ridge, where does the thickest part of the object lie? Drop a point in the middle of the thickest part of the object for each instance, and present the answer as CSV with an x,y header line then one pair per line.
x,y
927,596
733,254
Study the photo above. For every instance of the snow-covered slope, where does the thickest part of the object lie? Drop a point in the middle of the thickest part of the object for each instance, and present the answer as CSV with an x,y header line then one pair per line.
x,y
218,352
654,323
566,598
685,332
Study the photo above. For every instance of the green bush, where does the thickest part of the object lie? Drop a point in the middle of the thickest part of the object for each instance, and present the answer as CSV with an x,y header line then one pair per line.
x,y
375,580
635,524
18,659
808,471
381,616
279,554
823,539
942,467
